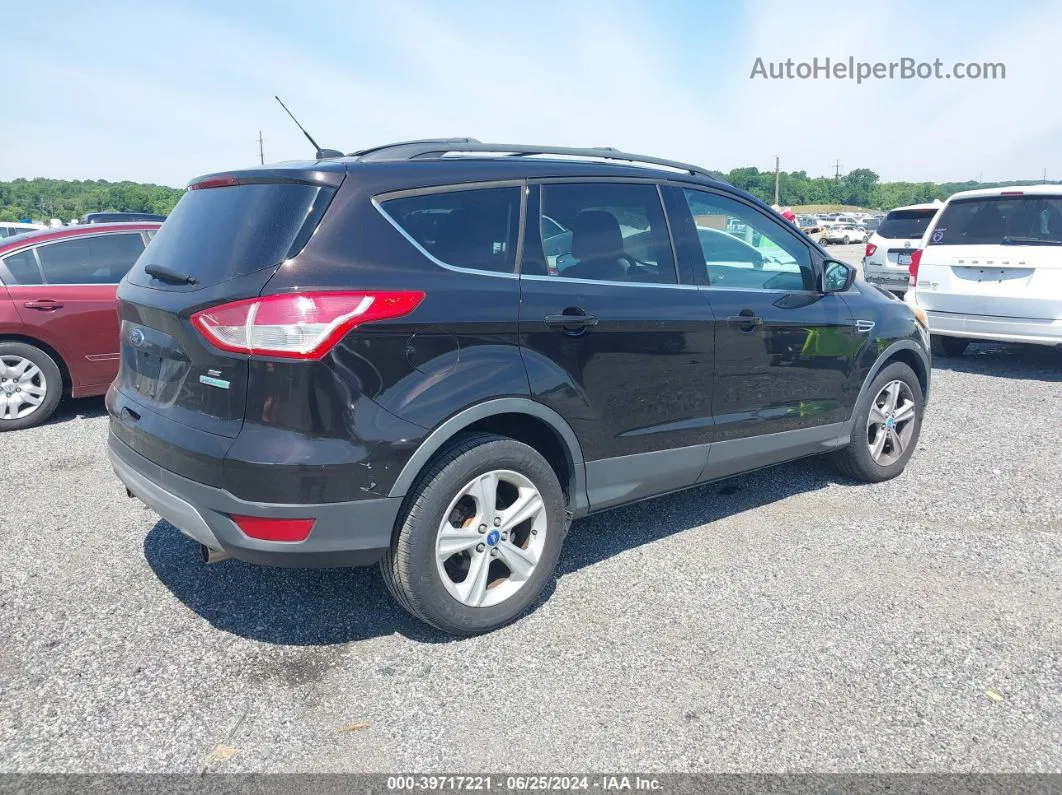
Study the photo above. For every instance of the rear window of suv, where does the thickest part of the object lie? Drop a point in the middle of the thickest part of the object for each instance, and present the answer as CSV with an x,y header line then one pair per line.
x,y
216,234
994,220
905,224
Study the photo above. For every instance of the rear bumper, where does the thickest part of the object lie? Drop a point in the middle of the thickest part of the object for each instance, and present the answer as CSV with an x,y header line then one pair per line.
x,y
344,533
1002,329
889,278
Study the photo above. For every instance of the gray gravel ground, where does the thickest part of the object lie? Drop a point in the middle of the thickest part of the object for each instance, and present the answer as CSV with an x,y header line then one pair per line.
x,y
785,620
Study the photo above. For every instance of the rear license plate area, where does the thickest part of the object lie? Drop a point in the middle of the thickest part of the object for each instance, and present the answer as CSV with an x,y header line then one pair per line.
x,y
148,371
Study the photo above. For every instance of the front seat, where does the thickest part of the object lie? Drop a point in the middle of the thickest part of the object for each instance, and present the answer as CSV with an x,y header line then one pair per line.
x,y
597,244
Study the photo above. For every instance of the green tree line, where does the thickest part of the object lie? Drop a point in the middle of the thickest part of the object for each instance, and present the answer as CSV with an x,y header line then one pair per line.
x,y
860,188
43,199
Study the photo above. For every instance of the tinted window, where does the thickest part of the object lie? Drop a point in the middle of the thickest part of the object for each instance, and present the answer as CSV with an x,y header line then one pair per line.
x,y
617,233
1004,219
216,234
103,259
550,228
467,228
905,224
23,267
742,248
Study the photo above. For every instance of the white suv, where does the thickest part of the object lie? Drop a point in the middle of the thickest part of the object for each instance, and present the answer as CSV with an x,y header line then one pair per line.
x,y
889,250
990,267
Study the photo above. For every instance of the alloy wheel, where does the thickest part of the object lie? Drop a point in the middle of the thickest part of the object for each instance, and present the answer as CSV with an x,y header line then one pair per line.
x,y
23,387
491,538
891,422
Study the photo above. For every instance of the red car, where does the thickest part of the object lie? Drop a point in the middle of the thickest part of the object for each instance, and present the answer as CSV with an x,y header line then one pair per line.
x,y
58,315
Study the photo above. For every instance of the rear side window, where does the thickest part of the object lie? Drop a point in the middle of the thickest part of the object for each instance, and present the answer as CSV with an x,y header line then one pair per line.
x,y
103,259
22,267
905,224
1031,220
216,234
474,229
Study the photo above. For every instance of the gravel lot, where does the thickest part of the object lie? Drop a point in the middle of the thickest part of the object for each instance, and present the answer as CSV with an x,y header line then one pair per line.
x,y
785,620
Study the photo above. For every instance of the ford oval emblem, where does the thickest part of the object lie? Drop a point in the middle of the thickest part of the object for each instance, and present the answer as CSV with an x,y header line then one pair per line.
x,y
136,337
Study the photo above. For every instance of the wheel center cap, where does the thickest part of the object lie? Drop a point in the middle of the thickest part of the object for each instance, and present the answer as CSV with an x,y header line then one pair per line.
x,y
9,388
890,422
493,537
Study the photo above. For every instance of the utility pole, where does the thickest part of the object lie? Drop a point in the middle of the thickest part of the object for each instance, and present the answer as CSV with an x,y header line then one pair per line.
x,y
261,151
776,179
837,170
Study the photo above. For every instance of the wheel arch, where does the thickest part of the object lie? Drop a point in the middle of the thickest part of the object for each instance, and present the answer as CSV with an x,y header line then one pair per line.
x,y
60,362
906,351
518,418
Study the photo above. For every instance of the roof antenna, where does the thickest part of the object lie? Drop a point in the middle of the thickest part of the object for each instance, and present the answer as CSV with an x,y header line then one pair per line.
x,y
321,153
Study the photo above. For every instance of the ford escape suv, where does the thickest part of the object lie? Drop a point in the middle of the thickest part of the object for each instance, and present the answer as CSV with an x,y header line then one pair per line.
x,y
436,355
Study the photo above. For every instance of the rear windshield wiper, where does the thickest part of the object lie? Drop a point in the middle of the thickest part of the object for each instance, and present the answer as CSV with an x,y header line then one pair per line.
x,y
166,275
1029,241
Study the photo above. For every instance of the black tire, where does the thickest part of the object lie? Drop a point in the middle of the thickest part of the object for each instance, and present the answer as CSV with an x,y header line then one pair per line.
x,y
948,346
824,241
855,460
409,568
846,240
52,379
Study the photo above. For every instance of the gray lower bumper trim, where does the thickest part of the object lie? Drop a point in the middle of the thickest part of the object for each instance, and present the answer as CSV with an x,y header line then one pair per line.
x,y
169,506
351,533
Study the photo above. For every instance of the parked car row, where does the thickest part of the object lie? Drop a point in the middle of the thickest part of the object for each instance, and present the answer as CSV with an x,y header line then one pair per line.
x,y
842,233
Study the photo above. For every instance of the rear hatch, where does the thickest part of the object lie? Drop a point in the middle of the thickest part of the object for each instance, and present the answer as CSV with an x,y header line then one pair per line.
x,y
223,241
998,256
898,236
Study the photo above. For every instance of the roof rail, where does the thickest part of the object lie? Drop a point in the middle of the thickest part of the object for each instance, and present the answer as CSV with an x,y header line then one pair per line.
x,y
419,150
401,145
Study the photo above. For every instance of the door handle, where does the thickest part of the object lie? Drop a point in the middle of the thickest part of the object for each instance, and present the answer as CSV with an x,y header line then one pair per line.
x,y
573,321
747,320
45,304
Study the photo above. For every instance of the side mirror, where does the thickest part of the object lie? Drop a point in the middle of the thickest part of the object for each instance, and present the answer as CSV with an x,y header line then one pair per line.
x,y
837,276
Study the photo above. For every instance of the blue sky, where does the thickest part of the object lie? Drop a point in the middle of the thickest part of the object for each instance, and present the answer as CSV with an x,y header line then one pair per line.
x,y
165,92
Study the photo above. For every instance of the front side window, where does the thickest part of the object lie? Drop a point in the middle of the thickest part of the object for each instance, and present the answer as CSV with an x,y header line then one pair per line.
x,y
474,229
22,267
102,259
610,232
743,249
1000,220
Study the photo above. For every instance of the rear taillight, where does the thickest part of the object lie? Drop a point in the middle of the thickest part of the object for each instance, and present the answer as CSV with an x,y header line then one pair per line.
x,y
274,529
298,325
916,257
871,248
